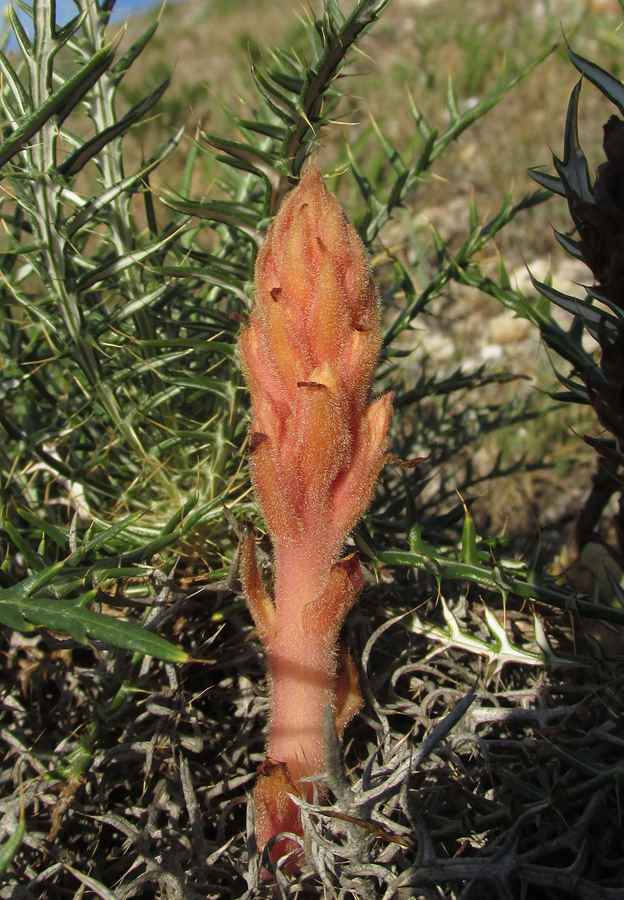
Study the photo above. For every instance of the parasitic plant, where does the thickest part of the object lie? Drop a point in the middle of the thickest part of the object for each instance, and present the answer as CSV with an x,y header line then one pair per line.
x,y
317,444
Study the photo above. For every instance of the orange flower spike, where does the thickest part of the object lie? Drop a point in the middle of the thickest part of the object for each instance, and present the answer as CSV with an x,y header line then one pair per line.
x,y
317,444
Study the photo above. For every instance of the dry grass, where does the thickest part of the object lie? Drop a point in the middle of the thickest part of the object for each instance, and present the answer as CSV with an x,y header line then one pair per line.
x,y
146,797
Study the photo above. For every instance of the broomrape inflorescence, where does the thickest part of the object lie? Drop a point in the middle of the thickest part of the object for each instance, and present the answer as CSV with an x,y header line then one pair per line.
x,y
317,445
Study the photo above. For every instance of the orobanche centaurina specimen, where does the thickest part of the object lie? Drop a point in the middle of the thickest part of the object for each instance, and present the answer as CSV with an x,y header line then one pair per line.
x,y
317,444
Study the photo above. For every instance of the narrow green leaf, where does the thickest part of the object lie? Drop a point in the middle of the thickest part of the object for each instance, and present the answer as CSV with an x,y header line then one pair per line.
x,y
591,316
150,298
473,216
64,34
9,849
19,31
22,610
281,105
543,307
233,285
120,264
92,884
551,182
122,66
221,212
12,79
58,536
202,382
83,624
336,16
28,586
129,185
468,551
451,100
424,128
260,160
75,162
289,82
35,562
573,169
112,572
611,87
268,129
59,104
416,541
570,246
392,154
110,533
503,275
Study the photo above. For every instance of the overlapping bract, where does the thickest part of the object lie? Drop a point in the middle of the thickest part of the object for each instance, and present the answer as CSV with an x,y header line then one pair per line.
x,y
309,355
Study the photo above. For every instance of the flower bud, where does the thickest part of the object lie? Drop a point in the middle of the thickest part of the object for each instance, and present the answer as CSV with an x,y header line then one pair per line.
x,y
309,352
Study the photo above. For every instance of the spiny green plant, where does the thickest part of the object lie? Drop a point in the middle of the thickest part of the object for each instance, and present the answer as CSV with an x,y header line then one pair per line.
x,y
119,401
595,376
596,211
